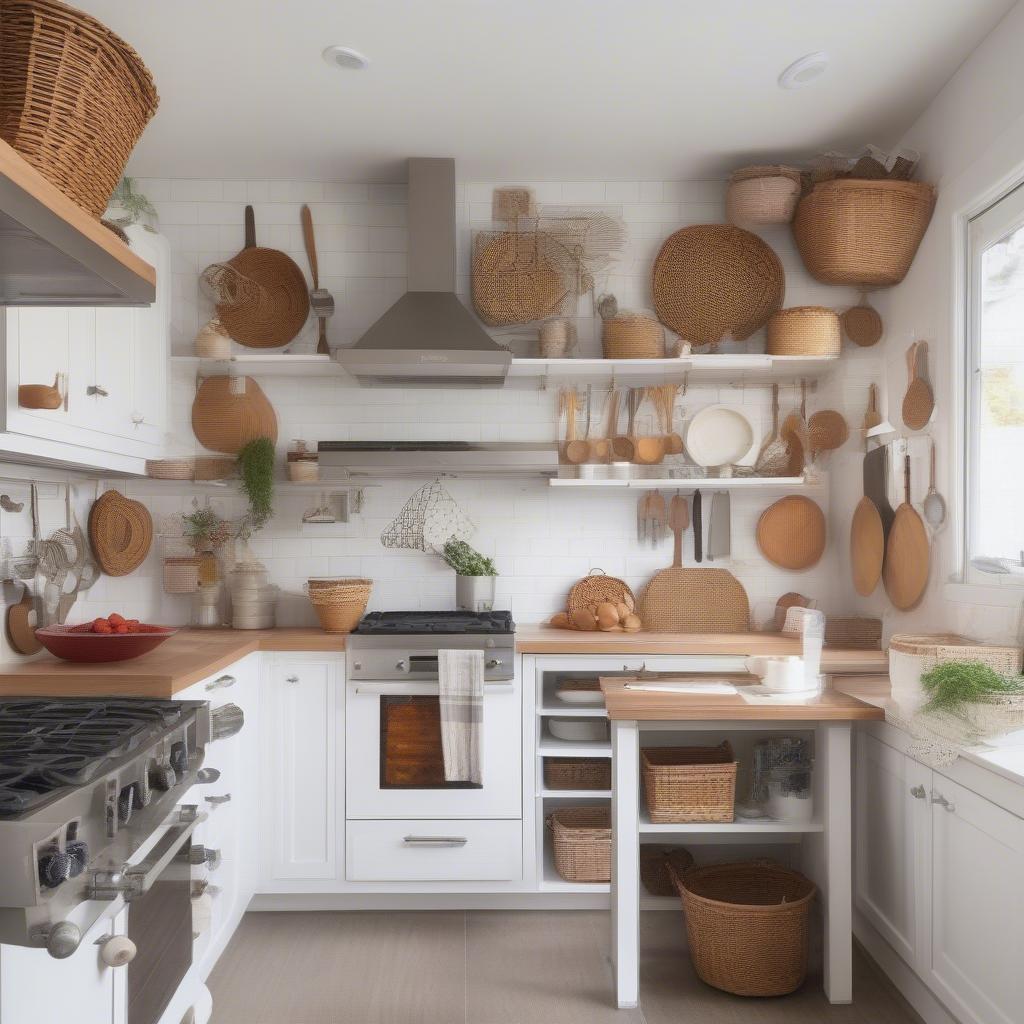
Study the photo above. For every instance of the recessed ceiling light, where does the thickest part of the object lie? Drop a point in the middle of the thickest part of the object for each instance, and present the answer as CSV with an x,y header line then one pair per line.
x,y
804,71
345,57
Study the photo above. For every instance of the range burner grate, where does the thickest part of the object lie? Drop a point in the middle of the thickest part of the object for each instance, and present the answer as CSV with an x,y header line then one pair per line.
x,y
451,623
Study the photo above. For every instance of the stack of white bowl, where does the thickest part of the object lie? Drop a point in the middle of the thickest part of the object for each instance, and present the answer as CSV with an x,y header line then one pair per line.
x,y
253,599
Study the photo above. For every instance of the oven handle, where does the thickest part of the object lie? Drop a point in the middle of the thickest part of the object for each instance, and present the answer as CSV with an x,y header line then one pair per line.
x,y
422,689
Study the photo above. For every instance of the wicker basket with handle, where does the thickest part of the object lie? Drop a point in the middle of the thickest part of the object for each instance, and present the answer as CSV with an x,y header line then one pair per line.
x,y
578,773
598,587
74,97
339,603
689,783
582,841
748,925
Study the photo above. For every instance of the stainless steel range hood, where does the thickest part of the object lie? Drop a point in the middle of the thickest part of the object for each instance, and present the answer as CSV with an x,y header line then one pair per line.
x,y
428,338
412,458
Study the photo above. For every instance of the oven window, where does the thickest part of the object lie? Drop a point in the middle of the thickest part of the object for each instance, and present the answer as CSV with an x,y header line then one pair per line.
x,y
411,756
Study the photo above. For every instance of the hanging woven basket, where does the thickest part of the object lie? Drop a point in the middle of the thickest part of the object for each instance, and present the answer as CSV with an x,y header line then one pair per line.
x,y
762,195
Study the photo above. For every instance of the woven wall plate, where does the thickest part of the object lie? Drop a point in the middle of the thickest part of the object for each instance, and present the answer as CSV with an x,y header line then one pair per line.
x,y
224,422
714,280
695,601
120,533
862,325
596,588
514,277
791,533
280,311
828,430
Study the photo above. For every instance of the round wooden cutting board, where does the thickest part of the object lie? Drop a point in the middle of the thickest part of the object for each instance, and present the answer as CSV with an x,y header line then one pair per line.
x,y
907,553
867,547
791,533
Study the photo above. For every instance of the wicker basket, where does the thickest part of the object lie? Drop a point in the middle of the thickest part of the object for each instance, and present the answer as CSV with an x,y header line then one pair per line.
x,y
169,469
578,773
181,575
74,98
748,926
654,862
852,231
689,783
762,195
854,633
339,603
931,650
582,840
804,331
213,468
632,336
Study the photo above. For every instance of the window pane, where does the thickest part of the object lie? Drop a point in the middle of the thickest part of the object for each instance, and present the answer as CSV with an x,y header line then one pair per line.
x,y
999,474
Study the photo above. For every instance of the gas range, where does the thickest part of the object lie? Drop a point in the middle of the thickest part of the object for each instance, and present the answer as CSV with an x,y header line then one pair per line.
x,y
86,783
439,623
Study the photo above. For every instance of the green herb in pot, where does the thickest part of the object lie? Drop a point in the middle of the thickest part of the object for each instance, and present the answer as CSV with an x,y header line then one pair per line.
x,y
467,561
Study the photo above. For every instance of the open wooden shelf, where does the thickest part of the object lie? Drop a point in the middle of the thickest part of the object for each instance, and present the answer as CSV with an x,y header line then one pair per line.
x,y
279,364
738,483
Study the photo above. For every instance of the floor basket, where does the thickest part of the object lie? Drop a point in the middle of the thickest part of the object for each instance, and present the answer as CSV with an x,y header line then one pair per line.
x,y
74,98
762,195
654,862
747,926
853,231
577,773
689,783
804,331
339,603
582,840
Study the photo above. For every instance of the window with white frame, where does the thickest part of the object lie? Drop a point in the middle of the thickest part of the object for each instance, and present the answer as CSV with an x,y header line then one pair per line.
x,y
994,430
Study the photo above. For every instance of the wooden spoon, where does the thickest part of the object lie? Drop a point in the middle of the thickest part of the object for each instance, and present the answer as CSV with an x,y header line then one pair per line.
x,y
601,447
578,450
567,407
649,450
623,445
918,402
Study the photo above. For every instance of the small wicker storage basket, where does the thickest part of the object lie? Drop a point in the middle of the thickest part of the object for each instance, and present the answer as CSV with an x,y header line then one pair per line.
x,y
654,862
74,97
169,469
339,603
632,336
854,633
748,926
582,840
213,468
854,231
764,194
577,773
181,575
689,783
804,331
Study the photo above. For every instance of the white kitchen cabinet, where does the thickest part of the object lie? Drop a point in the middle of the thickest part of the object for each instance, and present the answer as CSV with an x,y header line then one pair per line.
x,y
303,709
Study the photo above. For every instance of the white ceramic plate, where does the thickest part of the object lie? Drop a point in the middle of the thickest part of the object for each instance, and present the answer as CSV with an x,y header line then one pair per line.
x,y
720,435
578,730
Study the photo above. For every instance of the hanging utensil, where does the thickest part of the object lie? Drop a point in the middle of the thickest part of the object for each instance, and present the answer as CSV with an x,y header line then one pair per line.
x,y
578,450
320,299
623,445
658,512
601,448
568,406
934,504
773,459
642,516
796,434
872,417
720,535
21,624
867,543
907,553
698,528
876,476
918,402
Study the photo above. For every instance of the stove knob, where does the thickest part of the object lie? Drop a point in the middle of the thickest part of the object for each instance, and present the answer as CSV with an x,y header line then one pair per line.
x,y
54,868
163,777
63,939
226,721
78,852
116,950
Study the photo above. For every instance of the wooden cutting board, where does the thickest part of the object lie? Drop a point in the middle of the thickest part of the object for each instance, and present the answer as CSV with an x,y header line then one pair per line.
x,y
867,547
907,552
225,422
791,533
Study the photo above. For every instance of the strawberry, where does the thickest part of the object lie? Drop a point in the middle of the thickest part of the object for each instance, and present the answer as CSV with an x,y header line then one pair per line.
x,y
121,628
102,626
115,620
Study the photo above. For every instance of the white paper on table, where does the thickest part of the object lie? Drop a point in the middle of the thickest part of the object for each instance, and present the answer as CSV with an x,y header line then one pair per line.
x,y
757,695
718,689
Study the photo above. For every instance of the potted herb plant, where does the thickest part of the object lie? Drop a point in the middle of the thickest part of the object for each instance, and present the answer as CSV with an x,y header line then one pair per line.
x,y
204,529
474,576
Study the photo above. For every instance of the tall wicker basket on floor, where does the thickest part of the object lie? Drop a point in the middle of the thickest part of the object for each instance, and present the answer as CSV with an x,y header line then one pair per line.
x,y
689,783
582,840
747,926
74,97
339,603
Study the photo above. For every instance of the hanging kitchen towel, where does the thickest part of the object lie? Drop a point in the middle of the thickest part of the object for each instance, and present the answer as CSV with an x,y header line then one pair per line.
x,y
461,687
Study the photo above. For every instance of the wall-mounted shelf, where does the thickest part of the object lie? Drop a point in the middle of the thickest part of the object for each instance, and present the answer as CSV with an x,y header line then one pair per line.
x,y
277,365
760,827
738,483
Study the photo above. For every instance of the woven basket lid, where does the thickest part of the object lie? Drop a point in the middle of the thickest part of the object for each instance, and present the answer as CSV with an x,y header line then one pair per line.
x,y
120,533
597,588
279,312
791,533
224,422
766,171
714,280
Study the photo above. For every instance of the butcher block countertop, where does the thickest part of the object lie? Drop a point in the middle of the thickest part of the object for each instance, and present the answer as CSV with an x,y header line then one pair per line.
x,y
188,657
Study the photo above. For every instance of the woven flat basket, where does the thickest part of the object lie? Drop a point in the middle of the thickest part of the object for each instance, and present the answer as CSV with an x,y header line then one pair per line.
x,y
791,533
74,97
597,588
654,862
950,647
804,331
853,231
762,195
716,280
211,468
748,926
689,783
632,336
578,773
514,278
169,469
854,633
120,533
224,422
582,841
339,604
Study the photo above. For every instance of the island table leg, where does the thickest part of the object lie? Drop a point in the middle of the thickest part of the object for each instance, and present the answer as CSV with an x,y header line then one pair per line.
x,y
626,862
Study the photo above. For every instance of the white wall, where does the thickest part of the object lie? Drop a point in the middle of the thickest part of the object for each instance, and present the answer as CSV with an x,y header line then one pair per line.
x,y
972,142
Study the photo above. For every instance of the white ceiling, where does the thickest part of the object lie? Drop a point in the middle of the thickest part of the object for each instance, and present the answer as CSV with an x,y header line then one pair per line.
x,y
531,89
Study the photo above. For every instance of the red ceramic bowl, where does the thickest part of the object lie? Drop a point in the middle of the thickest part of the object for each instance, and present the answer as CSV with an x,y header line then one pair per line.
x,y
63,642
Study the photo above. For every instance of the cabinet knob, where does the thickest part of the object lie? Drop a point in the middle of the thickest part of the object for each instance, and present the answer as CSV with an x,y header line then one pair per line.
x,y
938,798
917,792
116,950
291,679
96,389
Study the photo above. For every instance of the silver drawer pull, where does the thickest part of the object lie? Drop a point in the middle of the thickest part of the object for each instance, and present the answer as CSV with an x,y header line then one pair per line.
x,y
225,798
221,683
292,679
917,792
436,840
938,798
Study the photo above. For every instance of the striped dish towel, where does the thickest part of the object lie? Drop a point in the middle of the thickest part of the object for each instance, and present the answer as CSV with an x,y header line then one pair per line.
x,y
461,687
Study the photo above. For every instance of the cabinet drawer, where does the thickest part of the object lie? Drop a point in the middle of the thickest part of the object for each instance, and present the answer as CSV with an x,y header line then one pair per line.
x,y
416,851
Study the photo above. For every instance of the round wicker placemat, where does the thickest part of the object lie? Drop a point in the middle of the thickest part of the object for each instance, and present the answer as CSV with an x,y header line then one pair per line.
x,y
224,422
714,280
120,533
862,325
791,533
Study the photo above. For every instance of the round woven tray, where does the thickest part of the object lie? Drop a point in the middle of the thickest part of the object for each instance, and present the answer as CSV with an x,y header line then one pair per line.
x,y
791,533
120,533
828,430
224,422
804,331
862,325
716,280
597,588
514,279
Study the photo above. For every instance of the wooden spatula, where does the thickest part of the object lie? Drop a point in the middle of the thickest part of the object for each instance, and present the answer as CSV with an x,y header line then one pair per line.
x,y
678,521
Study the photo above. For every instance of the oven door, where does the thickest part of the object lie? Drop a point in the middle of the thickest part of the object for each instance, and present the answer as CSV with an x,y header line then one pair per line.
x,y
394,766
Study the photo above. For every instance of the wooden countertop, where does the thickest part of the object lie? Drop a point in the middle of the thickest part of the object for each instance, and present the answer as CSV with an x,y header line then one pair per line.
x,y
646,706
191,655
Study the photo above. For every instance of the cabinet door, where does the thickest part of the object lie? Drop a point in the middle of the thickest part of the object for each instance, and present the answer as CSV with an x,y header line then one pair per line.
x,y
113,397
301,736
147,411
891,838
977,906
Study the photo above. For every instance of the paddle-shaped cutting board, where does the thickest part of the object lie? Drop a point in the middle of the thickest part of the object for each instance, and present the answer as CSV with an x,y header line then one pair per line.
x,y
907,552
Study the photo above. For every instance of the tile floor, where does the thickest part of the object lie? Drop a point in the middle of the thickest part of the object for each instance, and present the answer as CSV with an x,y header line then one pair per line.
x,y
491,967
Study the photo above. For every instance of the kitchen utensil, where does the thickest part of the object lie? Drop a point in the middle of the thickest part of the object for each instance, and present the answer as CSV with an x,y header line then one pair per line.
x,y
695,601
601,448
918,402
650,450
907,552
624,445
658,512
867,546
68,643
714,280
568,407
827,430
720,530
578,730
872,417
41,396
719,436
21,625
120,532
224,421
698,527
320,299
773,459
934,504
796,434
667,400
862,324
281,310
791,533
578,451
876,475
787,601
643,516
